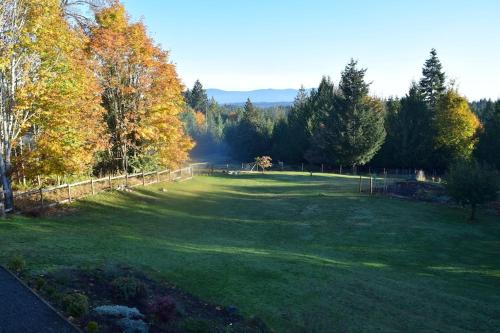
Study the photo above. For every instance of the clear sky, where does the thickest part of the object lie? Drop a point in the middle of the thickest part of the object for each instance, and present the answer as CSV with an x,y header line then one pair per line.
x,y
252,44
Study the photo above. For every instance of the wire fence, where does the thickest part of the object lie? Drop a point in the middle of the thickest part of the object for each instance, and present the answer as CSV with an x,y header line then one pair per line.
x,y
363,180
43,198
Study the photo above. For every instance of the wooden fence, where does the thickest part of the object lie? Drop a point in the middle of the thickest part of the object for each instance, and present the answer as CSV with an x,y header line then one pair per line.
x,y
42,198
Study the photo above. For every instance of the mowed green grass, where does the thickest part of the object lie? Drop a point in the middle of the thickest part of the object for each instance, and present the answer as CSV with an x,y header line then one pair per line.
x,y
306,254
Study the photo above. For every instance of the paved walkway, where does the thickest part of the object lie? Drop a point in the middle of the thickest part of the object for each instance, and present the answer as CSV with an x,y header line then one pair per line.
x,y
21,311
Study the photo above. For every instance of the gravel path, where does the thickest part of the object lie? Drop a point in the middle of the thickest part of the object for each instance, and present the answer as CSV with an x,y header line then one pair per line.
x,y
21,311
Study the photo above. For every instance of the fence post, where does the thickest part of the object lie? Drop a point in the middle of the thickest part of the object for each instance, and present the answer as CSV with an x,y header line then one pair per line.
x,y
371,185
385,181
302,167
92,185
2,205
321,167
41,198
360,183
110,184
143,178
157,176
340,169
169,175
69,192
126,179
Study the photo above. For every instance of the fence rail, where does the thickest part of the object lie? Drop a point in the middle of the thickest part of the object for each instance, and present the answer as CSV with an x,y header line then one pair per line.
x,y
42,198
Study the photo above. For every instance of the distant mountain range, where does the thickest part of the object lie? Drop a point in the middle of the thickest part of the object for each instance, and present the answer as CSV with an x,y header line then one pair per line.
x,y
260,97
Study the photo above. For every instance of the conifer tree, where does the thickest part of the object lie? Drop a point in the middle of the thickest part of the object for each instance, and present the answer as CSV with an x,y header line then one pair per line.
x,y
352,129
432,84
197,98
488,148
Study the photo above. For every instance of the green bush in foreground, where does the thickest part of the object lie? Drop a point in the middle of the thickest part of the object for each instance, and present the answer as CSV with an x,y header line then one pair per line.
x,y
470,184
76,305
16,264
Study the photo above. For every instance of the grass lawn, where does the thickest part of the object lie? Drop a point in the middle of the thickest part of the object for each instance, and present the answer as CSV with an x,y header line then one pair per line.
x,y
289,248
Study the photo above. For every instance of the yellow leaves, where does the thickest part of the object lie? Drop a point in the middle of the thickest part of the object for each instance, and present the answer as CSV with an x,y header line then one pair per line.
x,y
146,88
113,17
456,125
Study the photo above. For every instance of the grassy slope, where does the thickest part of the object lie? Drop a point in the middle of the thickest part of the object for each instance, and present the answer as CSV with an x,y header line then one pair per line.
x,y
289,248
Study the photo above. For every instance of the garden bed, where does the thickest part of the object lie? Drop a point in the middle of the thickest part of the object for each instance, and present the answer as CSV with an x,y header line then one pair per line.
x,y
417,190
119,299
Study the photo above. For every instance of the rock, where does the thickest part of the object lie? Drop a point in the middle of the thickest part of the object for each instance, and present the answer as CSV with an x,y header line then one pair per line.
x,y
119,311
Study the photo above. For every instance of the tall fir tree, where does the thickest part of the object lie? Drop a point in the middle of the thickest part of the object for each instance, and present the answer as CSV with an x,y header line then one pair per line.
x,y
291,137
250,137
351,129
432,84
197,98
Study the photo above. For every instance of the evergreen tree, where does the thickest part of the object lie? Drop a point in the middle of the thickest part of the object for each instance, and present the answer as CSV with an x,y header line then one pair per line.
x,y
432,84
351,128
488,148
415,146
291,137
409,141
251,136
197,98
387,155
251,114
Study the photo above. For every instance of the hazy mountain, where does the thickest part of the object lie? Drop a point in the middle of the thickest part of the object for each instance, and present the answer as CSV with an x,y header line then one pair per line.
x,y
262,97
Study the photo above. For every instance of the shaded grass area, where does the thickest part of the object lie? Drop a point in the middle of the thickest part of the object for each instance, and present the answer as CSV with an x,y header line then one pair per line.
x,y
306,254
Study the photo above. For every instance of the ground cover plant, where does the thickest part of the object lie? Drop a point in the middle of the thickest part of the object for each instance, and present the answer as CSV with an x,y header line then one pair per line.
x,y
304,253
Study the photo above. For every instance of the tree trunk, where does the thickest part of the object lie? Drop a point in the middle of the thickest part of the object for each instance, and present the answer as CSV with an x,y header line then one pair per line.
x,y
473,213
6,182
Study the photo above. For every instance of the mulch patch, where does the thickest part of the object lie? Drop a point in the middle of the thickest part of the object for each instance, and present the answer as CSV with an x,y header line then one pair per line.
x,y
191,313
420,191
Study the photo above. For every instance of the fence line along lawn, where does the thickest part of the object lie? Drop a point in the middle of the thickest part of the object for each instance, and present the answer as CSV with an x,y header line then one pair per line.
x,y
306,254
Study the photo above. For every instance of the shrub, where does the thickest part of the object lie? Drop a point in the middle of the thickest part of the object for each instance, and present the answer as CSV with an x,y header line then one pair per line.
x,y
129,288
471,183
16,264
164,309
38,282
92,327
76,305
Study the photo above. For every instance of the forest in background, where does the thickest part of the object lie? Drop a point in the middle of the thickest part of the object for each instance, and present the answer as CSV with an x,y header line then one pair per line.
x,y
431,127
85,91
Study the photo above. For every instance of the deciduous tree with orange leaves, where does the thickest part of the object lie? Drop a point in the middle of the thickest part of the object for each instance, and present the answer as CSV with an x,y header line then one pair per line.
x,y
48,96
141,93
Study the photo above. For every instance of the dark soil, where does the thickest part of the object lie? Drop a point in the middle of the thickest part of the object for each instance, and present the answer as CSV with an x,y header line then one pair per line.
x,y
191,314
421,191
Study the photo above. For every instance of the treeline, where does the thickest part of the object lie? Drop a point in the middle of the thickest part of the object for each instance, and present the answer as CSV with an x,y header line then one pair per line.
x,y
212,125
343,125
83,94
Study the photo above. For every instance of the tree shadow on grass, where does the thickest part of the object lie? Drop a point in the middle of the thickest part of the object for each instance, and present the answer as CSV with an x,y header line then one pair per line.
x,y
233,209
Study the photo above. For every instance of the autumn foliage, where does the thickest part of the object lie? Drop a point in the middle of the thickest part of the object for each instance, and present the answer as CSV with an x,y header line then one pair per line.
x,y
76,99
141,92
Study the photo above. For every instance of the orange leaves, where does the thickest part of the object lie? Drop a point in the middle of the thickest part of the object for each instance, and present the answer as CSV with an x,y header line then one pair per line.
x,y
142,93
60,94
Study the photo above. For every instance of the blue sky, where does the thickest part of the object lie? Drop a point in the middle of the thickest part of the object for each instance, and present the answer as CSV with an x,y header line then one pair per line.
x,y
251,44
